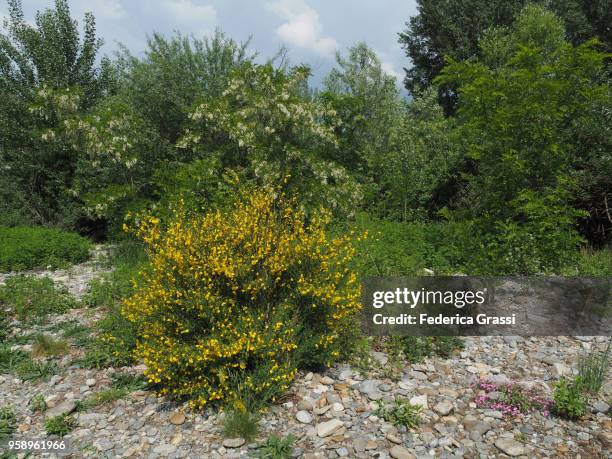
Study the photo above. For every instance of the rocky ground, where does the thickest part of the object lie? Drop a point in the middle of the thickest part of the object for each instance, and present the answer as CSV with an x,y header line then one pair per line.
x,y
333,414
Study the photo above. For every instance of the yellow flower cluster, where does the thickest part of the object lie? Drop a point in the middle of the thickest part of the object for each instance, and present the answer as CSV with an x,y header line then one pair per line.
x,y
250,293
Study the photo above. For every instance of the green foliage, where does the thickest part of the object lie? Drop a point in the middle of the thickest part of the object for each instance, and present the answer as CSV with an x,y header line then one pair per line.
x,y
129,382
175,73
32,298
419,175
37,247
8,422
360,357
10,359
370,109
48,72
38,404
23,366
265,129
514,106
453,29
119,153
416,348
115,336
60,425
593,369
47,346
240,423
276,447
569,401
400,413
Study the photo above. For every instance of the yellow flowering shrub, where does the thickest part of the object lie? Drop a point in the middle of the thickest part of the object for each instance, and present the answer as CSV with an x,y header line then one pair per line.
x,y
238,300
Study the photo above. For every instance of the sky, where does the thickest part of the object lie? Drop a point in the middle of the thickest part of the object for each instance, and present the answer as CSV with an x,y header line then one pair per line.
x,y
312,30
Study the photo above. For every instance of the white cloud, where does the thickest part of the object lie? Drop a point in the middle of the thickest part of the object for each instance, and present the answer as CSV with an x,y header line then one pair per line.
x,y
389,69
110,9
189,12
302,27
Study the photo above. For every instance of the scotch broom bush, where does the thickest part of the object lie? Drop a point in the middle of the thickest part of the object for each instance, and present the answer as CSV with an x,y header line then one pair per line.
x,y
236,301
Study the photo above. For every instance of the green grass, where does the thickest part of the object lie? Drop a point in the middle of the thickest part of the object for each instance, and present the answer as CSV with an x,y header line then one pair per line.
x,y
7,422
276,447
395,248
593,369
127,259
47,346
11,359
122,385
22,365
6,327
72,330
60,425
114,344
590,262
242,424
416,348
36,370
115,336
32,298
25,247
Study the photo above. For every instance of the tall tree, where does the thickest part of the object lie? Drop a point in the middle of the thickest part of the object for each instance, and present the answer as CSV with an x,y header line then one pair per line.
x,y
453,28
175,73
519,104
371,111
47,70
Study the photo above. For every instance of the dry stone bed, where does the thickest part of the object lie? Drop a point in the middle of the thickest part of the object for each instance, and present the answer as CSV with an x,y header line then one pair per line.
x,y
333,414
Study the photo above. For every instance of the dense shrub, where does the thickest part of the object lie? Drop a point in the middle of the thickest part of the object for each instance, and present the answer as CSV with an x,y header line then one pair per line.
x,y
26,247
237,300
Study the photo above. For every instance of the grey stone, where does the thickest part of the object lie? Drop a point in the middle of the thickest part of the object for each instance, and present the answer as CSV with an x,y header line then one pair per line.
x,y
368,386
325,429
443,408
510,446
399,452
233,442
66,407
304,417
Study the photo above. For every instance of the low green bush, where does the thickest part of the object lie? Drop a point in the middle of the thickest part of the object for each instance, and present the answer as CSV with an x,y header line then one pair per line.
x,y
26,247
38,404
276,447
569,400
400,413
468,246
60,425
31,298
